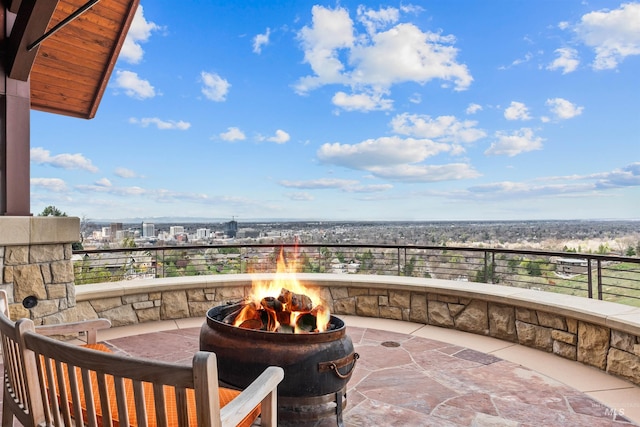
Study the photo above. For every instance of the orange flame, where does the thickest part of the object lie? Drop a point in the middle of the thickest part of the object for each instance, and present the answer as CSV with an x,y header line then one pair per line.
x,y
266,291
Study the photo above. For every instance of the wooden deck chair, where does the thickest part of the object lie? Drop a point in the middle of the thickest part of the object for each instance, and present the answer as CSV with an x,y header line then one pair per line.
x,y
104,388
21,397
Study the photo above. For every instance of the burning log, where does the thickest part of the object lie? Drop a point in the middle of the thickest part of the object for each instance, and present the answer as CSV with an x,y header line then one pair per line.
x,y
289,313
295,302
231,311
252,324
306,323
270,303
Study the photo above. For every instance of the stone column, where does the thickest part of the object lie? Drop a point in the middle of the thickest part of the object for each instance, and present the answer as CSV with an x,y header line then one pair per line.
x,y
36,268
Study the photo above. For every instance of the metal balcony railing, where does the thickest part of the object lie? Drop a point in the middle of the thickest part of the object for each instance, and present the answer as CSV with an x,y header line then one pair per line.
x,y
610,278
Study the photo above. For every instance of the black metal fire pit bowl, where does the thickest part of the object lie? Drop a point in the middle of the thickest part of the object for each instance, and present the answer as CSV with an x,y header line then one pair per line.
x,y
317,366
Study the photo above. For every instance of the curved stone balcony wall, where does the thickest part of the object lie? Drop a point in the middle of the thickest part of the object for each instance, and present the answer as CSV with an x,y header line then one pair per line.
x,y
597,333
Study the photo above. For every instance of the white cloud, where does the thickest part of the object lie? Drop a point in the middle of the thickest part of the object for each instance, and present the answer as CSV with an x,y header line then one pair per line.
x,y
51,184
330,31
628,176
375,20
416,98
613,34
161,124
134,86
442,128
563,109
527,57
426,173
372,61
300,197
346,185
567,60
125,173
215,87
515,143
362,102
261,40
319,184
233,134
385,151
473,108
405,53
103,182
118,191
517,111
371,188
280,137
139,32
64,161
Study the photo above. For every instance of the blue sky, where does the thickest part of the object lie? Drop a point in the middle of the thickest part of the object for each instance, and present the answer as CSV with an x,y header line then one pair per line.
x,y
432,110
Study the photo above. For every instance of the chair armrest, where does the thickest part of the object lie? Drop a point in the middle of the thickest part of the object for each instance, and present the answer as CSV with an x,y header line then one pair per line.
x,y
263,388
89,327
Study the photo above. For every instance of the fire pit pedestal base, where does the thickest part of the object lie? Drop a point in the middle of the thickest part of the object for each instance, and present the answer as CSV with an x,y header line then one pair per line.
x,y
312,411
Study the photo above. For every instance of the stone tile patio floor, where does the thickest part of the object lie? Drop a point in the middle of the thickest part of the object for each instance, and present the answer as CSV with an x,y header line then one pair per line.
x,y
405,377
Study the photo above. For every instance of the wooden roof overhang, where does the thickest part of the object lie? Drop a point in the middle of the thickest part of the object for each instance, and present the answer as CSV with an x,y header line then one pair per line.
x,y
70,69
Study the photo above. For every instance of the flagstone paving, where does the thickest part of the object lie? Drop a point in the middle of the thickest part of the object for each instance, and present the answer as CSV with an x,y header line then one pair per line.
x,y
405,380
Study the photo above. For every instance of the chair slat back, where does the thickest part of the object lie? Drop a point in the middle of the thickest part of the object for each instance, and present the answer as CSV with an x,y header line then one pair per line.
x,y
128,390
20,396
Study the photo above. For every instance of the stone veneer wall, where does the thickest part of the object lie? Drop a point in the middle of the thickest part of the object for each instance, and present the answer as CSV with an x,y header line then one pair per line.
x,y
594,335
35,260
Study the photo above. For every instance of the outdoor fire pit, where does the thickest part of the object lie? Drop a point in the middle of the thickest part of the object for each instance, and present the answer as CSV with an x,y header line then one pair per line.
x,y
317,365
285,323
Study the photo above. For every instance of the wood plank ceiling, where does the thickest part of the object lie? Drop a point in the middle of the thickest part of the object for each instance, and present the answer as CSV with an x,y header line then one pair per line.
x,y
73,66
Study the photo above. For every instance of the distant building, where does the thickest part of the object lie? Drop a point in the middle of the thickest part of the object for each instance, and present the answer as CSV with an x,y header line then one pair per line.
x,y
115,227
231,228
174,230
203,233
148,230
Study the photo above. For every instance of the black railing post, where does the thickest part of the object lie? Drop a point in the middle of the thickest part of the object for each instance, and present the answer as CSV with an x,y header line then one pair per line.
x,y
164,267
599,279
399,261
589,279
492,266
405,260
485,271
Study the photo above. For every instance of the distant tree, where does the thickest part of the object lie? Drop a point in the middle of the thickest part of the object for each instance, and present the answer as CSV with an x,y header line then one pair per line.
x,y
631,251
603,249
513,264
487,274
52,211
85,226
533,268
410,267
366,260
128,242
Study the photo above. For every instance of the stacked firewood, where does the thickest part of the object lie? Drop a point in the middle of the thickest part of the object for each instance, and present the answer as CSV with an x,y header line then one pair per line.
x,y
275,314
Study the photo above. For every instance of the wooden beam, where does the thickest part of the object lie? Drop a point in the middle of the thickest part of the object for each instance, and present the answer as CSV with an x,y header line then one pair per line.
x,y
12,5
31,23
113,57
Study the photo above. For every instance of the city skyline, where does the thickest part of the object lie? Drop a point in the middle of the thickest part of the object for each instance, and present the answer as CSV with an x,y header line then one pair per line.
x,y
446,110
